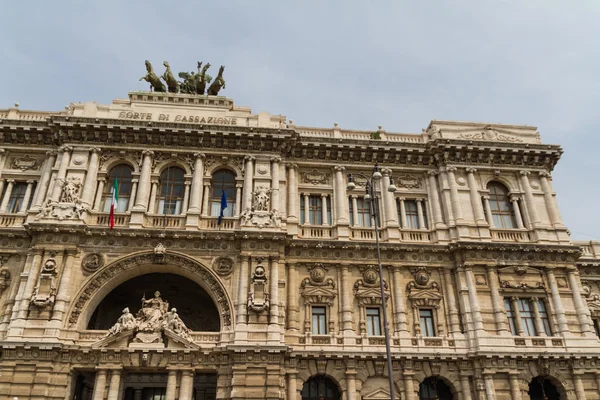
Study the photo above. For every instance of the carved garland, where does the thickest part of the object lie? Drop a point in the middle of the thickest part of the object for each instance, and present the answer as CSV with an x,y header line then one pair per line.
x,y
144,259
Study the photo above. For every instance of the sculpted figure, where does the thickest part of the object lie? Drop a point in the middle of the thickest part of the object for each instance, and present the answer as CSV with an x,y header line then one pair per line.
x,y
174,323
261,200
155,83
172,83
202,78
188,86
150,315
219,82
126,322
70,191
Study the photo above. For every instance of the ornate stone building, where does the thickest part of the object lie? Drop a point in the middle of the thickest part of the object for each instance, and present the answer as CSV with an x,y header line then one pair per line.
x,y
487,296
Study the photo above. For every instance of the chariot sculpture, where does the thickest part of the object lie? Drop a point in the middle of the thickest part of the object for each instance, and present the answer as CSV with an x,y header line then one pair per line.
x,y
193,82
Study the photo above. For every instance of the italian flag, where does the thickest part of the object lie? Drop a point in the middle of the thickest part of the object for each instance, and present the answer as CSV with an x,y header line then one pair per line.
x,y
113,204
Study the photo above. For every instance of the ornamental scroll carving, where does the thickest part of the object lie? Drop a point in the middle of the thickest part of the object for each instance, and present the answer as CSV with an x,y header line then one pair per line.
x,y
521,277
367,290
408,181
490,134
316,177
97,281
24,163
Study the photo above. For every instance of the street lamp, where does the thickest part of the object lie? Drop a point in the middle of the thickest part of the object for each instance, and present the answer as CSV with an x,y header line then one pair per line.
x,y
372,199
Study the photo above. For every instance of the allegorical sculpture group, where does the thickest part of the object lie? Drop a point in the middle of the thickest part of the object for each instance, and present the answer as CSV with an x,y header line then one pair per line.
x,y
193,83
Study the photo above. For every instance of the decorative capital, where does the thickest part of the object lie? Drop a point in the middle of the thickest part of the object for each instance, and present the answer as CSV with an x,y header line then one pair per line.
x,y
292,166
276,160
402,198
386,171
524,173
419,200
199,155
513,198
10,180
102,179
514,298
432,173
544,174
64,148
471,170
239,186
148,153
135,180
30,181
450,169
485,197
339,168
534,299
249,158
206,184
51,153
95,150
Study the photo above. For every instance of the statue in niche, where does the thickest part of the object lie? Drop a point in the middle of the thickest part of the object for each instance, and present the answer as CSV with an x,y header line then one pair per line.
x,y
261,199
126,322
70,190
155,82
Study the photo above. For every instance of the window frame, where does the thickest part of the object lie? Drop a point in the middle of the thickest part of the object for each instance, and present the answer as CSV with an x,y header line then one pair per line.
x,y
172,183
216,192
423,322
107,192
499,196
17,198
321,319
373,321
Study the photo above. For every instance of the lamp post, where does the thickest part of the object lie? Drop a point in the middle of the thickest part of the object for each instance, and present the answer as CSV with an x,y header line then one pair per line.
x,y
373,200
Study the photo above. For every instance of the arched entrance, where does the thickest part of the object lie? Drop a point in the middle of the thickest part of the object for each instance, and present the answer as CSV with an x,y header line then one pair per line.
x,y
542,388
434,388
320,387
194,305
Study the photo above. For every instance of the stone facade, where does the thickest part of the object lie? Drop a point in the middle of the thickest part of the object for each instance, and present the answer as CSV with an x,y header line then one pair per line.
x,y
486,294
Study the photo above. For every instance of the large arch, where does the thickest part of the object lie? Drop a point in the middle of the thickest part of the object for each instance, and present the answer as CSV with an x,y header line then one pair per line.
x,y
108,278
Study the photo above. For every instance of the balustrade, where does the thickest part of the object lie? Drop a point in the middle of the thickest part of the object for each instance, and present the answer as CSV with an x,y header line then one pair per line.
x,y
509,235
11,220
316,232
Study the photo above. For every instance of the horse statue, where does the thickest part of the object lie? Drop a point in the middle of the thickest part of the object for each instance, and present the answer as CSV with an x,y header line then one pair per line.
x,y
150,77
168,77
219,82
202,77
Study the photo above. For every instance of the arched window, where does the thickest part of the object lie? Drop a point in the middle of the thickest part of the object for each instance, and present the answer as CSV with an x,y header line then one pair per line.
x,y
501,208
122,174
434,388
541,388
170,198
222,181
320,387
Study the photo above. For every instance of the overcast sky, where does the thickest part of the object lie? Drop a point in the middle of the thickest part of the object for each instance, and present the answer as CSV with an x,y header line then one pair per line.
x,y
398,64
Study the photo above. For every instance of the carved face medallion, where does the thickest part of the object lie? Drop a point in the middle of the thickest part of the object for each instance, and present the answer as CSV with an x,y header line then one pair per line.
x,y
370,276
422,277
317,274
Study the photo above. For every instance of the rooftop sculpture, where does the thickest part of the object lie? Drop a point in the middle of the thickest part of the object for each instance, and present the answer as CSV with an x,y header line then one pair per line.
x,y
193,82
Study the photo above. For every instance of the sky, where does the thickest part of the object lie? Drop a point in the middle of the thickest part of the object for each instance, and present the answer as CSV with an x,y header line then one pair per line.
x,y
398,64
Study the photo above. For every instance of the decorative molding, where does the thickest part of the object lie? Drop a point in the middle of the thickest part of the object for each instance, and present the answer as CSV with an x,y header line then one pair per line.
x,y
408,181
316,177
92,262
24,163
223,266
490,134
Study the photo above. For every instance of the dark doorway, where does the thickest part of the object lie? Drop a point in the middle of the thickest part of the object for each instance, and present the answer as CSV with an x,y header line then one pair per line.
x,y
434,388
195,307
320,387
541,388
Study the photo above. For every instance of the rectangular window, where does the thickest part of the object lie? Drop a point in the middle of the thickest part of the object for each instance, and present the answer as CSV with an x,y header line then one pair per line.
x,y
511,317
315,210
527,317
544,317
319,325
412,215
426,318
373,322
364,213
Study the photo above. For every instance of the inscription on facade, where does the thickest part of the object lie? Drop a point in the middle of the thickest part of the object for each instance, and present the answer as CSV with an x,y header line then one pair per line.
x,y
190,119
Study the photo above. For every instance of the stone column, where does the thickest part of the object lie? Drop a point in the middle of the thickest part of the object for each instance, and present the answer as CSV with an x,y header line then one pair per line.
x,y
420,214
292,302
465,387
42,188
497,302
518,323
580,307
578,385
399,309
435,199
99,194
32,277
292,212
115,384
197,177
351,385
275,183
206,194
292,392
1,184
346,299
409,384
389,205
454,197
62,172
274,289
62,296
152,206
324,202
551,205
141,200
248,176
187,385
186,196
488,211
171,384
563,327
306,209
243,291
6,198
403,213
89,186
27,196
539,325
238,199
529,200
100,385
515,203
341,196
450,300
475,198
477,320
355,210
134,184
490,392
515,390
